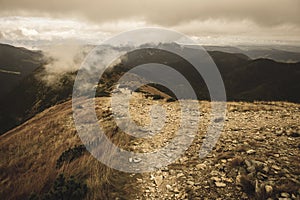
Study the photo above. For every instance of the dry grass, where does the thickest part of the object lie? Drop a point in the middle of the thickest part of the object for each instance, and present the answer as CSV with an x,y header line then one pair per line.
x,y
247,185
29,154
237,162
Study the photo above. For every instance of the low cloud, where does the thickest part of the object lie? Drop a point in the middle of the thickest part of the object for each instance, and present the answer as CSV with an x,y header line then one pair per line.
x,y
62,59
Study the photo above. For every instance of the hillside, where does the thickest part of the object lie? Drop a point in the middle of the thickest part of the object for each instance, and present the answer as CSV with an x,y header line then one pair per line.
x,y
15,64
256,156
287,54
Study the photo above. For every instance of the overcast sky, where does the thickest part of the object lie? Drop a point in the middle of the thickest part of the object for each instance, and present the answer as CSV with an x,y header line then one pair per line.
x,y
208,21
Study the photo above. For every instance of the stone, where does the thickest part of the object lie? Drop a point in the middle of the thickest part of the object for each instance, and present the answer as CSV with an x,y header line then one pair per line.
x,y
220,184
169,187
180,175
137,160
285,194
265,169
277,168
158,180
216,179
201,166
250,152
269,189
190,182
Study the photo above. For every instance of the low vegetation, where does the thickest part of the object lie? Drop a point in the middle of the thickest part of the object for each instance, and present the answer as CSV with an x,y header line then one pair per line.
x,y
64,188
70,155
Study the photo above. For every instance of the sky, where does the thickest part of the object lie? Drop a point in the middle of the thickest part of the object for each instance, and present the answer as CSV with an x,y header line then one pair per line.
x,y
216,22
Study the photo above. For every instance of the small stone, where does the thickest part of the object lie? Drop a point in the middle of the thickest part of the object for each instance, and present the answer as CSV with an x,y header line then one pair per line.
x,y
214,173
137,160
250,152
265,169
277,168
130,160
269,189
158,180
216,179
220,184
285,194
176,190
248,163
190,182
201,166
179,175
228,180
169,187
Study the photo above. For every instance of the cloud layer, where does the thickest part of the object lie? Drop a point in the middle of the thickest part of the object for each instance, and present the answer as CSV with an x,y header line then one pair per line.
x,y
256,19
166,12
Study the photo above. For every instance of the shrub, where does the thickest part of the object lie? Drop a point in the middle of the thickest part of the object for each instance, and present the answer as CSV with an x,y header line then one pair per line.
x,y
171,99
247,185
157,97
67,189
70,155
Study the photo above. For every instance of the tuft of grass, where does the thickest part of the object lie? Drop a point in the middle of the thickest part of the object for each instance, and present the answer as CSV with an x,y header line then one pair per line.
x,y
225,155
171,99
68,189
237,162
70,155
247,185
286,185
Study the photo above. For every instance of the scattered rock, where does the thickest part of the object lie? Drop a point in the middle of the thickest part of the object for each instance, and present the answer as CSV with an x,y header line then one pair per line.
x,y
250,152
277,168
201,166
158,180
169,187
190,182
269,189
216,179
137,160
220,184
285,194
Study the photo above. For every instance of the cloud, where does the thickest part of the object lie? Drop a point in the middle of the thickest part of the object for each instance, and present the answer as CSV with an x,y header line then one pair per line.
x,y
278,20
166,12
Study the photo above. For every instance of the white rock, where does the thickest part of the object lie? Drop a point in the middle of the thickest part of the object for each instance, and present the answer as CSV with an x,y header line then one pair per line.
x,y
220,184
250,152
137,160
169,187
158,180
269,189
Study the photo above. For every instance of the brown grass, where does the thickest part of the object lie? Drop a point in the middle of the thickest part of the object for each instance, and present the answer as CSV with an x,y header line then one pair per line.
x,y
29,154
237,162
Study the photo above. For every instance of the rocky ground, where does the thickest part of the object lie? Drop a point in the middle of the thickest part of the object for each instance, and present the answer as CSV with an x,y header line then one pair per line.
x,y
256,157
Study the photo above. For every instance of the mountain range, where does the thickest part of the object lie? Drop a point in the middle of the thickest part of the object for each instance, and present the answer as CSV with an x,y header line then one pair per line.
x,y
24,94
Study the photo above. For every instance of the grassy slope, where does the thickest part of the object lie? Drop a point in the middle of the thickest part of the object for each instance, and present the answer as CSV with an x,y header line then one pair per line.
x,y
29,154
